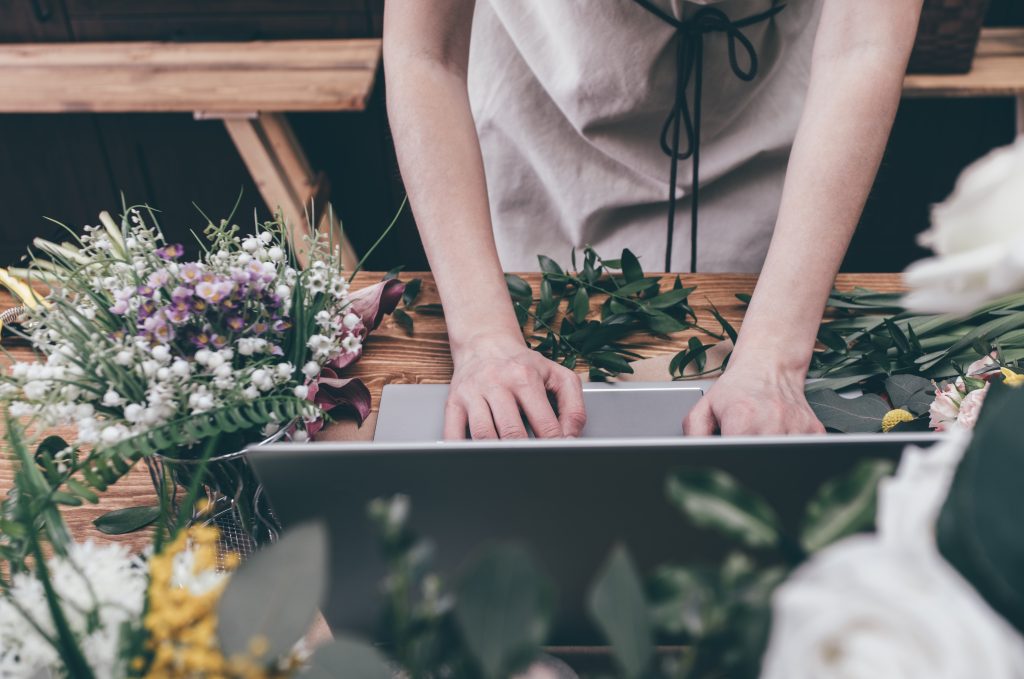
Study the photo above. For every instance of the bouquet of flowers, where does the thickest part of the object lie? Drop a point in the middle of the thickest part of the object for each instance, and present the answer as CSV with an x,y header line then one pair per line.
x,y
150,355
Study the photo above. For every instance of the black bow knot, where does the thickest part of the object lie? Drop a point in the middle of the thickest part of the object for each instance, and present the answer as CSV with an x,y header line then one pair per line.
x,y
690,65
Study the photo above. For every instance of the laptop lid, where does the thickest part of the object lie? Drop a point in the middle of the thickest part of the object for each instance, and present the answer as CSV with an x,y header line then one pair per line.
x,y
567,501
415,412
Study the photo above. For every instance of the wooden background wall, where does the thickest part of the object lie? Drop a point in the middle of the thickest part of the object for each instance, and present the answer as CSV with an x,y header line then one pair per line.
x,y
71,166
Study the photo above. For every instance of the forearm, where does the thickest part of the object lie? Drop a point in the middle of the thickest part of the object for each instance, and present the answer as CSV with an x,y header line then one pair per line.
x,y
860,57
439,156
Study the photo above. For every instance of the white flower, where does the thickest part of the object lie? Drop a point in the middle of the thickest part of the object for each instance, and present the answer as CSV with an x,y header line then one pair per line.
x,y
945,407
116,578
162,353
251,392
114,433
124,357
862,608
133,412
311,369
266,237
300,436
35,390
970,407
889,605
262,380
284,371
112,399
351,320
180,368
351,344
977,236
909,502
275,254
301,391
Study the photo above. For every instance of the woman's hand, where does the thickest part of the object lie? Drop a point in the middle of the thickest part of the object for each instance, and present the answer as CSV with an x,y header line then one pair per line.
x,y
498,380
751,399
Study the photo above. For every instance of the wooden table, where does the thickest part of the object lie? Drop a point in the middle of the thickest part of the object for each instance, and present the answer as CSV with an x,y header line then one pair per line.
x,y
998,71
393,357
247,85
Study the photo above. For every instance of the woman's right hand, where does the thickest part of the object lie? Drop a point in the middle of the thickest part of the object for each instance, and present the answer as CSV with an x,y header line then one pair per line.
x,y
498,380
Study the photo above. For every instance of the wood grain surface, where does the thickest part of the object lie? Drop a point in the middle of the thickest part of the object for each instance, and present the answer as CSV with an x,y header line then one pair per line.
x,y
391,356
998,70
216,77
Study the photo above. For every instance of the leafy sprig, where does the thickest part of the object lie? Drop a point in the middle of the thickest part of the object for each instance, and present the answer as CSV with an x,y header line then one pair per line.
x,y
559,323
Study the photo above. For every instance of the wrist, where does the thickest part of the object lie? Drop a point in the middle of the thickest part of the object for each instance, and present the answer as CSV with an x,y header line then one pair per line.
x,y
494,337
787,360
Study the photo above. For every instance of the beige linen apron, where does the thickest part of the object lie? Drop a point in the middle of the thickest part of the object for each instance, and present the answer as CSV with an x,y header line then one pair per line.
x,y
570,97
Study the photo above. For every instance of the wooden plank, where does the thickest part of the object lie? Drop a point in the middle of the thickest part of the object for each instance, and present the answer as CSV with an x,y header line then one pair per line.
x,y
393,357
998,70
279,167
271,76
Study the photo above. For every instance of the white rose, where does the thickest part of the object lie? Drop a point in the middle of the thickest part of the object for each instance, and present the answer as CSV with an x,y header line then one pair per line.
x,y
970,407
909,502
945,408
863,608
977,236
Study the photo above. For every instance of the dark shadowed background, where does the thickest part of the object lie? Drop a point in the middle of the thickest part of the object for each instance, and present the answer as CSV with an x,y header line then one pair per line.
x,y
71,166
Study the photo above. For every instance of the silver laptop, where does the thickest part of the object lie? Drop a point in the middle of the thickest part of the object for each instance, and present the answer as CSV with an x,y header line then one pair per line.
x,y
567,501
415,412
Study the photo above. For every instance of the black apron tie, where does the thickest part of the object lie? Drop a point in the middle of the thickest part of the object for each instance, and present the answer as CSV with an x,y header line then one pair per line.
x,y
690,64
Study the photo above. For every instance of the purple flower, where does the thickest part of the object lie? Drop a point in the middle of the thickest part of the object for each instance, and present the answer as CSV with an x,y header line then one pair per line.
x,y
191,272
158,278
215,291
120,307
218,341
236,323
177,313
147,309
144,291
172,251
199,339
156,326
181,294
259,328
281,325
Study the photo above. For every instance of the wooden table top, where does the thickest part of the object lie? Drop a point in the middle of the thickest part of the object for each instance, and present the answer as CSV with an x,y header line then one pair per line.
x,y
212,77
391,356
998,70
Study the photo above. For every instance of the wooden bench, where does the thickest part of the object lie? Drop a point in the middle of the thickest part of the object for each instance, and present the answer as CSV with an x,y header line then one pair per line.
x,y
998,71
247,85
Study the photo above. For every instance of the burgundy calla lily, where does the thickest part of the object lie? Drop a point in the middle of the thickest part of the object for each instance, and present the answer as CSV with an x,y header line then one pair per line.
x,y
333,393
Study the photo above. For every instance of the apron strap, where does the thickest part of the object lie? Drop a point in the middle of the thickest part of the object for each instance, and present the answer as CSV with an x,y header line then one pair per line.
x,y
690,64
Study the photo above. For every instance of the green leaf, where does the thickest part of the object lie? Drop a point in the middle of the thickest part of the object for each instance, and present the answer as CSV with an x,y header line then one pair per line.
x,y
661,323
681,600
698,353
412,291
670,298
898,337
616,603
848,415
404,321
631,267
549,266
547,307
127,520
275,594
503,608
911,392
726,325
611,361
350,659
517,287
82,491
580,305
844,505
978,529
714,499
833,340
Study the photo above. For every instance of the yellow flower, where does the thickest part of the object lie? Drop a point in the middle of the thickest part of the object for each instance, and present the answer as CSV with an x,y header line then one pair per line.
x,y
895,417
1010,378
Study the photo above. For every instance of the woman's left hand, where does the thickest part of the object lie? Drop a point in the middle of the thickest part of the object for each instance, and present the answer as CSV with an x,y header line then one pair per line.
x,y
754,399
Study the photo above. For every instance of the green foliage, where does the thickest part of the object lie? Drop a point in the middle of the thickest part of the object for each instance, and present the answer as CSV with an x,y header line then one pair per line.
x,y
503,609
631,304
350,658
617,604
864,413
275,594
713,499
127,520
979,526
844,505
